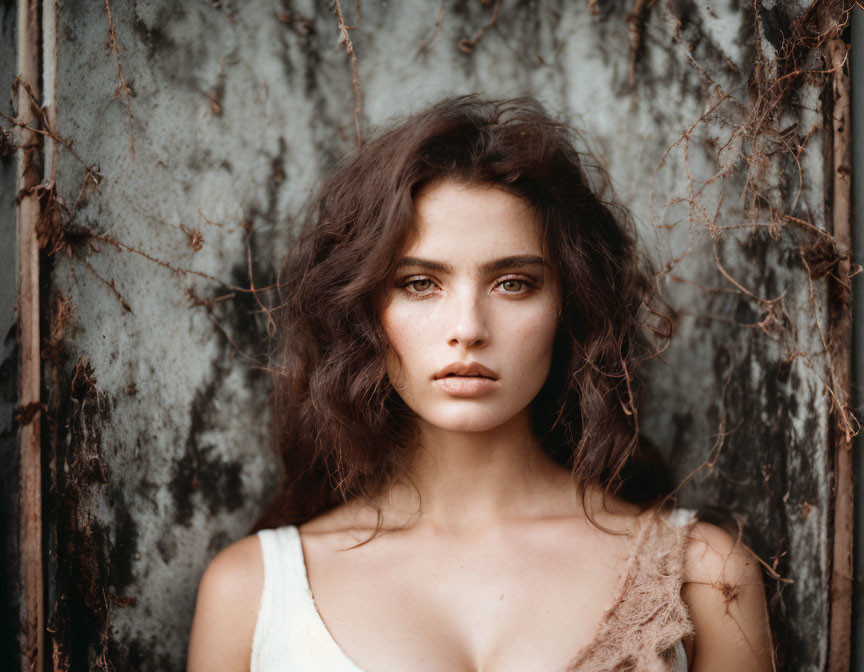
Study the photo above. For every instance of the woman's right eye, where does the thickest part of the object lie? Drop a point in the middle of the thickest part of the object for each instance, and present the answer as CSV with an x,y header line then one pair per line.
x,y
418,286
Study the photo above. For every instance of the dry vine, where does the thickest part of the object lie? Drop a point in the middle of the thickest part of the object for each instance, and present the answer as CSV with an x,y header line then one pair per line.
x,y
756,128
466,45
345,38
756,136
122,88
431,38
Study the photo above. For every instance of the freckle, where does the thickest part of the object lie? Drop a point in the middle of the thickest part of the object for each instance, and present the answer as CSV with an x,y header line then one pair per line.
x,y
502,596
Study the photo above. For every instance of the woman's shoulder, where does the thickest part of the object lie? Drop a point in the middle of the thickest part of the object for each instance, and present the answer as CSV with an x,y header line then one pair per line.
x,y
716,556
724,591
712,554
349,523
239,563
226,608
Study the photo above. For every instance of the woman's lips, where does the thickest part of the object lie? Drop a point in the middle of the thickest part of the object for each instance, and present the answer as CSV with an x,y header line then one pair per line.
x,y
466,386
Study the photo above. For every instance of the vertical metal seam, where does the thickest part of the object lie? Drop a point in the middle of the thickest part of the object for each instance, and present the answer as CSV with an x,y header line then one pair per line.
x,y
48,67
840,340
29,381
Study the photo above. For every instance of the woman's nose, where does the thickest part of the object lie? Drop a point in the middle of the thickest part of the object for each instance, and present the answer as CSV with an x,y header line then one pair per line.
x,y
468,323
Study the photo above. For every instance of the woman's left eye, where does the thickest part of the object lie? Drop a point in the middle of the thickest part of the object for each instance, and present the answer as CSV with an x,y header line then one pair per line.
x,y
514,285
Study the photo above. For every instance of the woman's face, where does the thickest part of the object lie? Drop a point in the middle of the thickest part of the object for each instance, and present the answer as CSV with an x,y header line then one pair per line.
x,y
473,287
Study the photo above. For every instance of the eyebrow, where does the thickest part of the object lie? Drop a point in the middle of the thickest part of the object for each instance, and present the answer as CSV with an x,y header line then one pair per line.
x,y
517,261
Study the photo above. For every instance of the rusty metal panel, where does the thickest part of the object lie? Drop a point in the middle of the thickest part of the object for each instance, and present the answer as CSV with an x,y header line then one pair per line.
x,y
188,136
856,57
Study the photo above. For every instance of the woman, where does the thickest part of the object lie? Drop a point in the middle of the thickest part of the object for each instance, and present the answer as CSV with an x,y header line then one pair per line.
x,y
457,417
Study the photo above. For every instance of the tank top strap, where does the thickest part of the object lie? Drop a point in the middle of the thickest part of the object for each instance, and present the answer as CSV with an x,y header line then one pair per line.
x,y
283,564
680,517
279,603
289,633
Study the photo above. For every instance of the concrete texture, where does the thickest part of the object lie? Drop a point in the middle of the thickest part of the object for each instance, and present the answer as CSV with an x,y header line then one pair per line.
x,y
236,111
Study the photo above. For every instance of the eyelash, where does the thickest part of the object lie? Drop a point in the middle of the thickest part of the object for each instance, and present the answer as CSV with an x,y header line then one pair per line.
x,y
528,284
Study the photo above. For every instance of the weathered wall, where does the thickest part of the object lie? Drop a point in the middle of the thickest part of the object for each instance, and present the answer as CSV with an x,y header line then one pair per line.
x,y
190,159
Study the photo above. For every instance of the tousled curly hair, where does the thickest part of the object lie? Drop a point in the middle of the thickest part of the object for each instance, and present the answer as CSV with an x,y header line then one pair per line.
x,y
341,430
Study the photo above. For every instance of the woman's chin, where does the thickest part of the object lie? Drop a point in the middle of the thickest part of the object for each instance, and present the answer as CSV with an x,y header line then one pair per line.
x,y
466,420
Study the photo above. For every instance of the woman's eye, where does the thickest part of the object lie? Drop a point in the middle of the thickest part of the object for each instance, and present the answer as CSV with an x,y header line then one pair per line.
x,y
423,286
419,285
513,285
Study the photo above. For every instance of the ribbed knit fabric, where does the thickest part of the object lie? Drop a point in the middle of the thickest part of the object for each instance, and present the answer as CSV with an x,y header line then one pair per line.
x,y
641,631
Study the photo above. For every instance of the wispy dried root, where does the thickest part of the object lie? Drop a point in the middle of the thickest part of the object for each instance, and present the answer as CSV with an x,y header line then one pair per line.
x,y
196,238
756,136
760,144
61,314
466,45
431,38
345,38
122,88
87,405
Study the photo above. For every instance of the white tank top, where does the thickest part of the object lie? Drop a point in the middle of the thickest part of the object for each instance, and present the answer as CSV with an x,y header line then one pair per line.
x,y
290,635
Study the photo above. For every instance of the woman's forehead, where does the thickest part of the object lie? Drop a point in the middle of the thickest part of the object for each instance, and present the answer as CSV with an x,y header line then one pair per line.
x,y
470,221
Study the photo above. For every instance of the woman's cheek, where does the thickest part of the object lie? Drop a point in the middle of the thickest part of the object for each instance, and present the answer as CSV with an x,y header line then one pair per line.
x,y
536,328
536,339
404,329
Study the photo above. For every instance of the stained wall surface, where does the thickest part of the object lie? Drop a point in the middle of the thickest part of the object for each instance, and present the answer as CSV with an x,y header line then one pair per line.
x,y
192,134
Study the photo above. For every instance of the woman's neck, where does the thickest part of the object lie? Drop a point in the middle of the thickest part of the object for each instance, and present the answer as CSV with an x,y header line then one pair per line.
x,y
467,481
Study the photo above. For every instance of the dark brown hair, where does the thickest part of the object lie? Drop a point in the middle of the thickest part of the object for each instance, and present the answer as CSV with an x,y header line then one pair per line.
x,y
340,428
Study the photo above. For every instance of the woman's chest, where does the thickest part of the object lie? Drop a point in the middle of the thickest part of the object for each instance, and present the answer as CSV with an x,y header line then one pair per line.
x,y
523,606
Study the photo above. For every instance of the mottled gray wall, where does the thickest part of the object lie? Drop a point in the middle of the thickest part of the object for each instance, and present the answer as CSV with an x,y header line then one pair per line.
x,y
159,411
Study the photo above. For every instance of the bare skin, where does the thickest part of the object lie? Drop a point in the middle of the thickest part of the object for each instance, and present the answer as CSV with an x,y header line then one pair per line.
x,y
487,560
493,593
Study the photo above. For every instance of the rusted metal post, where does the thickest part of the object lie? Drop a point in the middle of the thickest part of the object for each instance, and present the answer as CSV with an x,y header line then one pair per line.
x,y
29,398
840,343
